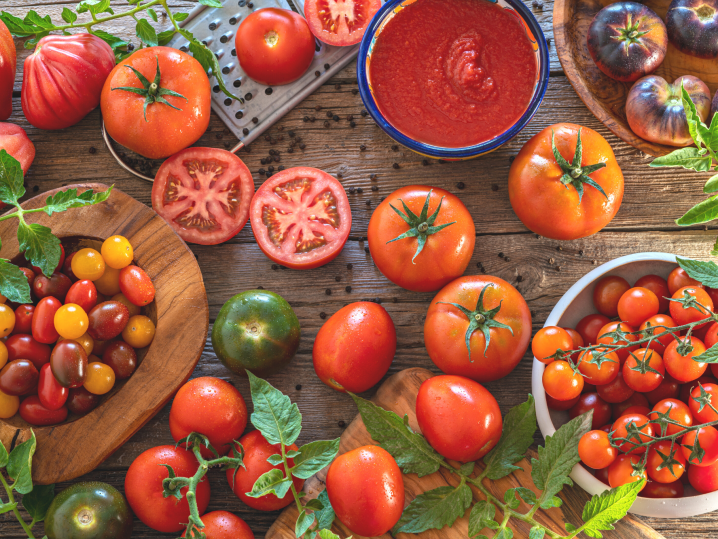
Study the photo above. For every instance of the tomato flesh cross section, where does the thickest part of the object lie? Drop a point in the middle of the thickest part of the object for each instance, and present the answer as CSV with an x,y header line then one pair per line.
x,y
340,22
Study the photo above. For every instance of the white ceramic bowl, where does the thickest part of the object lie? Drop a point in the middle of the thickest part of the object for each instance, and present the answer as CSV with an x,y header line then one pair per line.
x,y
576,303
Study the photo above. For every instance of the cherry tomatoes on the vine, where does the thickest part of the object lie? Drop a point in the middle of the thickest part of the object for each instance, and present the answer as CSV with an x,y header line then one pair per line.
x,y
622,471
704,478
596,451
635,421
682,315
561,382
590,326
678,278
608,293
637,305
549,340
707,440
599,367
659,286
643,370
658,454
683,367
677,411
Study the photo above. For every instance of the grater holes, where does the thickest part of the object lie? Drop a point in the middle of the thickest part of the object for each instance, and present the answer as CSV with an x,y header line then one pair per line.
x,y
226,69
268,91
237,83
226,37
215,24
216,89
248,96
239,115
227,102
234,52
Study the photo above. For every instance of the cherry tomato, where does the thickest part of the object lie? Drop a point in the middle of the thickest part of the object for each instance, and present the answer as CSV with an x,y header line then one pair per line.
x,y
596,374
25,347
678,279
620,430
561,382
669,388
88,264
99,347
117,252
602,475
643,370
69,363
687,388
212,407
703,413
340,23
143,488
71,321
87,342
556,404
643,410
51,394
136,285
131,307
635,401
615,391
30,276
592,401
67,267
548,341
607,294
9,405
660,323
4,354
659,286
224,525
711,336
653,489
107,320
678,411
366,490
458,417
618,333
32,411
100,378
139,331
577,342
81,402
7,320
590,326
708,441
18,377
43,320
637,305
681,315
23,319
122,358
57,286
657,456
704,478
596,451
684,368
622,470
109,283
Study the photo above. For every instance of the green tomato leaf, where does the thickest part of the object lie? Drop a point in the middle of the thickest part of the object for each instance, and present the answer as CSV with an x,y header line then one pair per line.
x,y
304,521
700,213
275,460
325,516
68,15
711,185
146,33
113,41
271,482
516,438
482,517
525,494
13,283
153,15
328,534
313,457
165,37
38,501
434,509
64,200
709,356
704,272
698,130
11,179
17,26
41,22
607,508
689,158
537,532
179,17
3,456
570,528
41,247
510,498
314,505
7,507
467,469
208,61
19,465
275,415
411,451
504,533
211,3
100,6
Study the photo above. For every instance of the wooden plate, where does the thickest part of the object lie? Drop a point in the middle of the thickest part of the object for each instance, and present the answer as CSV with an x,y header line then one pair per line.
x,y
606,97
181,314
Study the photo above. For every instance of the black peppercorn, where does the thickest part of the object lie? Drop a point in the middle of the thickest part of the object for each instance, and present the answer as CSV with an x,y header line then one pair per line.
x,y
328,291
350,266
374,187
348,289
302,146
255,120
298,387
460,185
92,150
364,113
322,315
395,165
360,190
335,118
352,124
326,123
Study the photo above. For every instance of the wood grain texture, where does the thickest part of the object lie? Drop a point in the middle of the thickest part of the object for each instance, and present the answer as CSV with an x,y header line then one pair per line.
x,y
74,448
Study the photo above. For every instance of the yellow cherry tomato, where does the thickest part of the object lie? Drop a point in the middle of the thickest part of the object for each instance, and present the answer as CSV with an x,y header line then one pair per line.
x,y
71,321
117,252
139,331
134,309
9,405
3,354
109,283
7,320
88,264
100,378
85,341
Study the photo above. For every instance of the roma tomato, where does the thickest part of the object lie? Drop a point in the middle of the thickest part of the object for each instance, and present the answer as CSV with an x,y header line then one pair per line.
x,y
366,490
84,294
57,286
621,472
274,46
107,320
685,315
43,320
355,347
707,439
212,407
136,286
32,411
565,212
659,287
256,452
224,525
548,341
301,217
657,456
143,488
592,401
704,478
139,331
62,80
561,382
25,347
643,370
8,65
458,417
692,27
596,451
52,395
457,318
608,293
23,319
340,23
13,138
430,250
620,430
682,367
69,364
589,327
121,357
203,194
637,305
81,402
18,377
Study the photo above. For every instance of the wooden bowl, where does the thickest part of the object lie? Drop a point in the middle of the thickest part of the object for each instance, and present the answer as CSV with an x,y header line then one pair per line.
x,y
180,311
606,97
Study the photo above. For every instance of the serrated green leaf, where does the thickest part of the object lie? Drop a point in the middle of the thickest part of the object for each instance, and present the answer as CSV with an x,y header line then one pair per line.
x,y
411,451
537,532
325,516
510,498
516,438
3,456
711,185
482,517
313,457
525,494
179,17
64,200
211,3
165,37
19,465
703,272
13,283
97,7
146,33
314,505
552,502
33,18
17,26
113,41
700,213
153,15
38,501
11,179
275,460
434,509
68,15
709,356
40,246
570,528
467,469
328,534
607,508
271,482
304,521
275,415
7,507
689,158
504,533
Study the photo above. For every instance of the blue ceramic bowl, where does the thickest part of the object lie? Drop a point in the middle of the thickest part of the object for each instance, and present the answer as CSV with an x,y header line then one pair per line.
x,y
534,33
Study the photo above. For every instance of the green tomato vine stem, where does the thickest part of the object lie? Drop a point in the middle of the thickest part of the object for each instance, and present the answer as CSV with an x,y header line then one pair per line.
x,y
11,499
131,12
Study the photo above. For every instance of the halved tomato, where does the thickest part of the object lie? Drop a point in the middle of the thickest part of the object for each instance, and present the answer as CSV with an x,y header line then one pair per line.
x,y
340,22
204,194
301,217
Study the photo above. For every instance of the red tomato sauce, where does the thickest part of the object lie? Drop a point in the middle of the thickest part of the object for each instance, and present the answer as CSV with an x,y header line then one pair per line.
x,y
453,73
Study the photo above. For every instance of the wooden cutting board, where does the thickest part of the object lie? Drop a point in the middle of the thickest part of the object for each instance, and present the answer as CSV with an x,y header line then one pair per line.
x,y
398,394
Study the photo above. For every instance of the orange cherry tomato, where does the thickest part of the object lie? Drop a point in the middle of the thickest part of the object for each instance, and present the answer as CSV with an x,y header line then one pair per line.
x,y
100,378
117,252
88,264
561,382
139,331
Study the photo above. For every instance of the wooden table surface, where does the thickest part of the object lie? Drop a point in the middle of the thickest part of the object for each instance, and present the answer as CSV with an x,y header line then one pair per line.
x,y
541,269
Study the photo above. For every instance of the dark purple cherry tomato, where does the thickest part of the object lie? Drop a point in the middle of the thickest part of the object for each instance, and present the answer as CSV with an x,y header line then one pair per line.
x,y
121,357
67,267
84,294
43,320
81,401
30,276
32,411
654,108
136,285
693,27
69,364
627,41
38,271
56,286
18,377
52,395
23,319
107,320
25,347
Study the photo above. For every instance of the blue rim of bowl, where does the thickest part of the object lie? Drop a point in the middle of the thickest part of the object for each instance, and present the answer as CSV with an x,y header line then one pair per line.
x,y
438,151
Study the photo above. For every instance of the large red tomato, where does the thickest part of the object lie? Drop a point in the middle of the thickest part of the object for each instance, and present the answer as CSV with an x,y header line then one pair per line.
x,y
562,201
203,194
340,22
301,217
224,525
8,65
459,417
355,347
433,250
143,488
62,80
459,317
170,123
14,141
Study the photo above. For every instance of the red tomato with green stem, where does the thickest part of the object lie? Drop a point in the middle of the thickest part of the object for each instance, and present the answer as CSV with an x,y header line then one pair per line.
x,y
659,286
43,320
658,454
679,359
596,451
701,401
700,447
599,366
644,370
660,324
8,65
548,341
637,422
13,138
608,293
51,393
704,478
618,333
32,411
686,389
673,409
340,23
590,326
84,294
561,382
636,305
621,472
693,310
224,525
592,401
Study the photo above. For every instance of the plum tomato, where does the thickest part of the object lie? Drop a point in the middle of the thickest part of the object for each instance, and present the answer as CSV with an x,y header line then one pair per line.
x,y
704,478
621,472
637,305
616,391
83,293
707,439
561,382
121,357
659,286
88,264
52,395
660,323
301,217
669,388
700,410
635,401
460,314
677,411
212,407
274,46
683,367
620,430
71,321
256,452
107,320
654,108
18,377
256,330
589,327
644,370
458,417
143,488
678,278
43,320
335,22
136,285
109,283
89,509
26,347
599,366
32,411
429,245
596,451
608,292
627,41
551,340
592,401
355,347
7,320
654,489
81,402
366,490
692,27
224,525
618,333
117,252
9,405
203,194
69,364
57,286
682,314
556,404
139,331
100,378
658,454
23,319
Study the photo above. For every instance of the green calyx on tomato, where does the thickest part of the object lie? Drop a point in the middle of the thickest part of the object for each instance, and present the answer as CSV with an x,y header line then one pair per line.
x,y
480,319
629,34
421,226
573,173
152,92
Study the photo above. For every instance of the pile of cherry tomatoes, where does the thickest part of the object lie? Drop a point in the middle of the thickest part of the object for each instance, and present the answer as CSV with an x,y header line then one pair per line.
x,y
637,384
61,353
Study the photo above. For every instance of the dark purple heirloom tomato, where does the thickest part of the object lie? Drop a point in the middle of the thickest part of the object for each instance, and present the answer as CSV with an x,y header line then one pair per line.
x,y
654,108
627,41
693,27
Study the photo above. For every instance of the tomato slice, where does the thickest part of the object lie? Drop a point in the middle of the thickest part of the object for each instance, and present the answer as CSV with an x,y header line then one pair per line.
x,y
301,217
340,22
204,194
